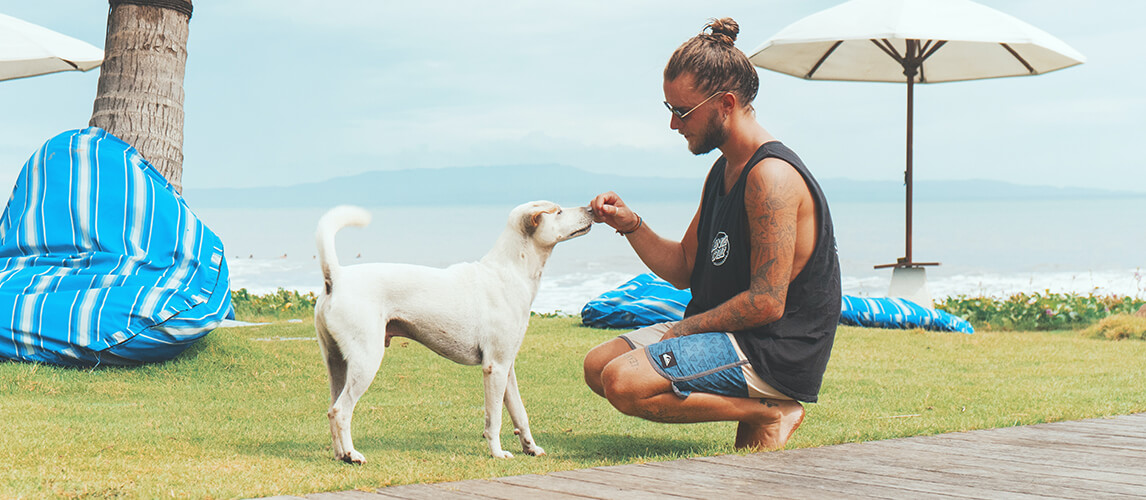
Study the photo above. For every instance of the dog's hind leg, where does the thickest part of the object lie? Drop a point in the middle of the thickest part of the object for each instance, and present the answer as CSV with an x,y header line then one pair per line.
x,y
336,368
517,415
495,378
335,361
361,366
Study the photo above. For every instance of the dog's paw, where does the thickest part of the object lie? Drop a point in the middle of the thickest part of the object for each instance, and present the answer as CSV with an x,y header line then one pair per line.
x,y
353,458
534,450
502,454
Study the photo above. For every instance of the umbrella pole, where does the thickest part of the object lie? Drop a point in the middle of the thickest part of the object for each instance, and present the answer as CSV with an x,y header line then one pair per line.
x,y
912,62
907,177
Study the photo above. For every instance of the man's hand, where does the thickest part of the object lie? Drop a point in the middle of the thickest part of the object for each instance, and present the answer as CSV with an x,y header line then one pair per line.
x,y
671,333
610,209
686,326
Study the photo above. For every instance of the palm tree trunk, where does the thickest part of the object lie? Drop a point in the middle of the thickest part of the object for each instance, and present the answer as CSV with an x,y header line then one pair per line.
x,y
140,94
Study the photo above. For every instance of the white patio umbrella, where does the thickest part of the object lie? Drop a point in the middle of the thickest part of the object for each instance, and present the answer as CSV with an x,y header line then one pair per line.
x,y
912,41
29,50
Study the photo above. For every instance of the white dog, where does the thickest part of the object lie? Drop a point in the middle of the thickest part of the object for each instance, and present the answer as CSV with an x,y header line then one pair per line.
x,y
471,313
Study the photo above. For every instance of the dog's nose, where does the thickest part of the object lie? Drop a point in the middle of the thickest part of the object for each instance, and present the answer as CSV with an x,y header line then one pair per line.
x,y
589,210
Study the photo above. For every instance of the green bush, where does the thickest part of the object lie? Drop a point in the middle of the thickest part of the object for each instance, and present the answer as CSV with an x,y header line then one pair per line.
x,y
1023,312
1039,311
282,304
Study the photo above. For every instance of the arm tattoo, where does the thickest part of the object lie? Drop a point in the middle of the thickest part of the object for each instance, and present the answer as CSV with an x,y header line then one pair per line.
x,y
774,236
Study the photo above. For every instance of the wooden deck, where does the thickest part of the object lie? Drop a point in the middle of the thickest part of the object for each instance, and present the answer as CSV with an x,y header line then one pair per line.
x,y
1087,459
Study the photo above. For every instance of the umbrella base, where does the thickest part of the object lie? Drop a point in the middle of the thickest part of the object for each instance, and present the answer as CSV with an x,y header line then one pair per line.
x,y
904,263
910,283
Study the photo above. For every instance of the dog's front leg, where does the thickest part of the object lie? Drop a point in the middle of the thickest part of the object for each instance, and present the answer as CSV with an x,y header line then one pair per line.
x,y
495,377
517,415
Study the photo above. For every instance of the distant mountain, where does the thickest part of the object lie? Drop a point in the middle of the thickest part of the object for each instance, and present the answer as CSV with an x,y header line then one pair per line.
x,y
848,190
567,185
451,186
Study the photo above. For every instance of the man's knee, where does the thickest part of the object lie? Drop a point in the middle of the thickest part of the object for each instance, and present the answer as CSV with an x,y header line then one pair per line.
x,y
621,386
596,361
594,364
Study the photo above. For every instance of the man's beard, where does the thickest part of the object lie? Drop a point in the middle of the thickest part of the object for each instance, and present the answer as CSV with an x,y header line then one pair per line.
x,y
714,135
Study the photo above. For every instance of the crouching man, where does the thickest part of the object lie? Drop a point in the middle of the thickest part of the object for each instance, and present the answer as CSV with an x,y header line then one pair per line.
x,y
759,257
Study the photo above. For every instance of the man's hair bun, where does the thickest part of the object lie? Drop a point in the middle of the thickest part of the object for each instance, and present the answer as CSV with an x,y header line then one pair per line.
x,y
723,29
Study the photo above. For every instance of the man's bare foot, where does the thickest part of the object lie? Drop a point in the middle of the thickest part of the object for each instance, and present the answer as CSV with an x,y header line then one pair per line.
x,y
780,420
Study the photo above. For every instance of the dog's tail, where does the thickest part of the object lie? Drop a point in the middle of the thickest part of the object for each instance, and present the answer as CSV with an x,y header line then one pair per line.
x,y
333,220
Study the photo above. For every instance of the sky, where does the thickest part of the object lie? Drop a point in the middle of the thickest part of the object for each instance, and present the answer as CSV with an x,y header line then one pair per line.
x,y
281,92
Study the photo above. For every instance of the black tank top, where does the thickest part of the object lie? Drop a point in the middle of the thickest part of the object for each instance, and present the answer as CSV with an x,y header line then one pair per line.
x,y
791,353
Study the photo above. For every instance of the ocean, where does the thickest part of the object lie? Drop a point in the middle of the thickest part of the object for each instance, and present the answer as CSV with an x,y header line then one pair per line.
x,y
985,248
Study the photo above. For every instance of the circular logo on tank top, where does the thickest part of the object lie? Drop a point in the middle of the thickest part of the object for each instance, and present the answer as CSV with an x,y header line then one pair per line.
x,y
719,250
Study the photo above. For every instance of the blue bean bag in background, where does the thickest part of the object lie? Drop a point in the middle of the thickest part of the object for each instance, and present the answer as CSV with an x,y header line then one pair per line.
x,y
883,312
647,300
102,262
642,301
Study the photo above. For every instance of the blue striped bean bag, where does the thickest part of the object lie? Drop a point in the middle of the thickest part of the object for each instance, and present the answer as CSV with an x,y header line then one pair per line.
x,y
641,301
647,300
102,262
883,312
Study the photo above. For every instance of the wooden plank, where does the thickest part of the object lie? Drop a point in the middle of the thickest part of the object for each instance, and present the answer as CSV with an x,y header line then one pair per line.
x,y
1109,427
895,474
494,489
863,482
806,482
941,460
1128,425
550,484
346,495
700,485
613,478
691,484
962,457
1091,438
1053,458
1003,476
1127,420
440,491
1065,434
709,485
1119,423
1045,441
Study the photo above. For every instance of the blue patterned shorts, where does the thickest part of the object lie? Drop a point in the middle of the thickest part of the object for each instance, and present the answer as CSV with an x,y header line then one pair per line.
x,y
705,362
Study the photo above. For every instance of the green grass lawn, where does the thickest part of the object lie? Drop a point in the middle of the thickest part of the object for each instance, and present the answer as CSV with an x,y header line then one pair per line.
x,y
243,413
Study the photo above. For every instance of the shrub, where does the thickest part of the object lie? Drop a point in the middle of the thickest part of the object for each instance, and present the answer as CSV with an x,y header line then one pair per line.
x,y
282,304
1039,311
1118,327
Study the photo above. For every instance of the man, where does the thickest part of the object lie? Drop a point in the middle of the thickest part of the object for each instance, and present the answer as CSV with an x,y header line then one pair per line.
x,y
760,259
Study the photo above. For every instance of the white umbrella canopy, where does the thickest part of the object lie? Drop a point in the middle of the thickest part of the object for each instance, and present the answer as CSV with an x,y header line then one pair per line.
x,y
850,42
912,41
29,50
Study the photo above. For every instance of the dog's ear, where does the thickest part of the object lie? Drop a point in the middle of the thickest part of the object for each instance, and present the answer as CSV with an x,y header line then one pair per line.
x,y
532,221
529,222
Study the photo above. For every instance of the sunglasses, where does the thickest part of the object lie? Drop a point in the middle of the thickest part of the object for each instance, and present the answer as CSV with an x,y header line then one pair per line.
x,y
682,113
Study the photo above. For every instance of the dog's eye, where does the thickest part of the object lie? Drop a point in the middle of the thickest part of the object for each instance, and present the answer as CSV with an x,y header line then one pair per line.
x,y
559,212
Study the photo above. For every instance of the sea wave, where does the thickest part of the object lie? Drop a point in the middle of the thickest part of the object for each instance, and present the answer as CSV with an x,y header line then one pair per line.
x,y
567,293
994,249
